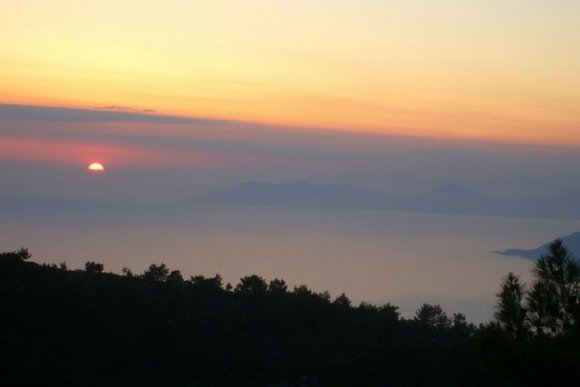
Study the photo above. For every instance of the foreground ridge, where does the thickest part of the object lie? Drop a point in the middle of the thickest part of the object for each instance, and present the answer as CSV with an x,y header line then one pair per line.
x,y
89,327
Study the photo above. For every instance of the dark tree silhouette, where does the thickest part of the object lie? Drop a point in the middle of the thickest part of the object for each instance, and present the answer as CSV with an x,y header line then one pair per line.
x,y
432,316
127,272
325,295
389,310
94,267
17,255
278,286
207,283
553,299
511,312
62,327
175,277
302,290
459,321
366,307
342,300
23,254
552,302
252,284
156,273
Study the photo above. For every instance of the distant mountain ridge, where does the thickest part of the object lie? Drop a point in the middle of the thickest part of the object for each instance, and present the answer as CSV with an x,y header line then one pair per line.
x,y
445,199
298,194
572,242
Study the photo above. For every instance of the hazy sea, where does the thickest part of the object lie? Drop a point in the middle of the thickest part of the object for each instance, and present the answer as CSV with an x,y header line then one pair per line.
x,y
373,256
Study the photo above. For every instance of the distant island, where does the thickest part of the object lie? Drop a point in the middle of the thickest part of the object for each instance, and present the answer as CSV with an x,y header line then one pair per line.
x,y
572,241
444,199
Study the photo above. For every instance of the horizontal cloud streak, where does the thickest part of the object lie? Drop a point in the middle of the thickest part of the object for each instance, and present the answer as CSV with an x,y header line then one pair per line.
x,y
74,136
61,114
82,153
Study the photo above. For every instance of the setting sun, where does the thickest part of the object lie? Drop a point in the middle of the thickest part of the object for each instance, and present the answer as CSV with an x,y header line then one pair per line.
x,y
96,167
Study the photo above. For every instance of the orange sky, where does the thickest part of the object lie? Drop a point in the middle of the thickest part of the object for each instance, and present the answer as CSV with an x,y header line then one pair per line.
x,y
451,68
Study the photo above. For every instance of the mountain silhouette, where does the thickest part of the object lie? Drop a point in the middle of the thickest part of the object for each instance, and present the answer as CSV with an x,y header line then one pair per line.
x,y
448,199
299,194
444,199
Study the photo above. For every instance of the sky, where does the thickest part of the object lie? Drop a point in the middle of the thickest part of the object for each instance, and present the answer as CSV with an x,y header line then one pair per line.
x,y
444,69
180,98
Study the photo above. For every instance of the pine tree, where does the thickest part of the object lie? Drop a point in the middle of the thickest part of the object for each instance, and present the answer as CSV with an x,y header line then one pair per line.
x,y
511,312
553,298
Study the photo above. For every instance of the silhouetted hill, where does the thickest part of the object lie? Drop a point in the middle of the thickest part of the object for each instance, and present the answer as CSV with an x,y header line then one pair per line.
x,y
62,327
448,199
303,194
572,242
299,194
90,328
445,199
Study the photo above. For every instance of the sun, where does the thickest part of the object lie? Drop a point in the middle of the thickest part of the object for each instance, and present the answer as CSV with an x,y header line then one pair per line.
x,y
96,167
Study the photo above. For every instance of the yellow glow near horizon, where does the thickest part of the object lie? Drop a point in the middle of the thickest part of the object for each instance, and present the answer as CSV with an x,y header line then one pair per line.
x,y
436,68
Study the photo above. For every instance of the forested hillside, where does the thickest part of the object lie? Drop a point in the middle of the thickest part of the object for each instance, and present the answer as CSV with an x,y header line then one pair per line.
x,y
90,327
